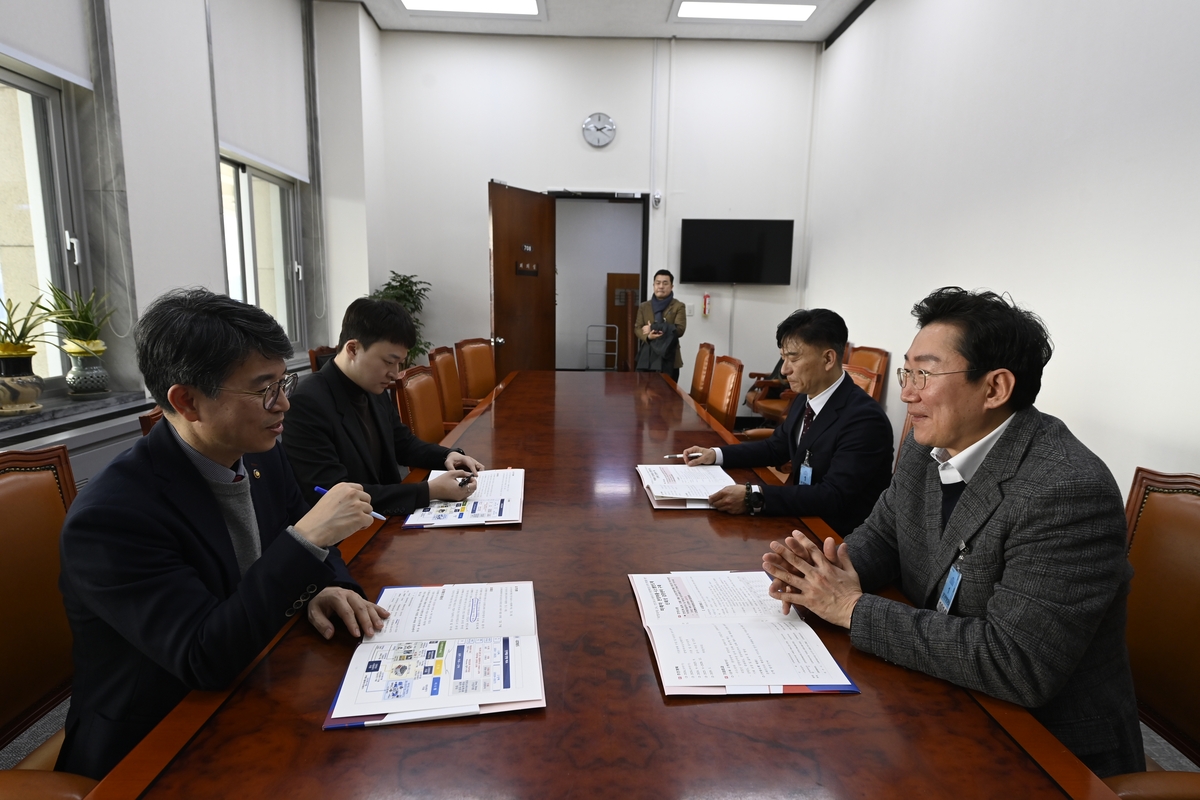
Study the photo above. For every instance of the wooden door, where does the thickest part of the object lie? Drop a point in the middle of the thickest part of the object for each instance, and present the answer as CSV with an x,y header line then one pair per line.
x,y
521,228
622,292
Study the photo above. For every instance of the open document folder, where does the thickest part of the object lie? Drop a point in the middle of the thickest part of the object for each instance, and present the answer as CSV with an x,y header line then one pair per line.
x,y
680,486
445,651
719,633
498,499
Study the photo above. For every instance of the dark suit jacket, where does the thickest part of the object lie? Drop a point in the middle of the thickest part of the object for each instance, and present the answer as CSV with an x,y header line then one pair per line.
x,y
849,447
1039,618
326,445
153,593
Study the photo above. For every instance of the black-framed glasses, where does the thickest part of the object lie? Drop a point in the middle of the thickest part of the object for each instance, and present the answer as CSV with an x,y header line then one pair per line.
x,y
920,376
270,394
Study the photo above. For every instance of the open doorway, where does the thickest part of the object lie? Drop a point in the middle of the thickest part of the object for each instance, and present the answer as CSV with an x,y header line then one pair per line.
x,y
595,235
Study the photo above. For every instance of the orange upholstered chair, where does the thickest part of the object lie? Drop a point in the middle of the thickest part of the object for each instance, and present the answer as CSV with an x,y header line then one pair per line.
x,y
865,379
1163,516
702,374
149,419
420,407
476,368
36,489
872,359
319,355
445,376
725,391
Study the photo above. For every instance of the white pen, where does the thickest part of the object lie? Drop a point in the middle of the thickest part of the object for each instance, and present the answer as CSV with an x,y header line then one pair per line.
x,y
680,455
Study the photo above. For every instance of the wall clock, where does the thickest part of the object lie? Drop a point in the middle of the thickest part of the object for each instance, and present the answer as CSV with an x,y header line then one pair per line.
x,y
599,129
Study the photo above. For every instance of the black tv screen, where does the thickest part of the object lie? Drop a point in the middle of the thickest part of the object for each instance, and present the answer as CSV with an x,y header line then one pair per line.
x,y
736,251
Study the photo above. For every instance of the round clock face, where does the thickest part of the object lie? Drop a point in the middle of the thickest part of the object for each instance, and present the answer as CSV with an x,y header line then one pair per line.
x,y
599,129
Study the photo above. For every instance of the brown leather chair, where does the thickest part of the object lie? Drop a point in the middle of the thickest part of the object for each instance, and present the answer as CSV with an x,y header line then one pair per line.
x,y
36,489
866,380
702,374
149,419
445,377
1163,515
725,391
872,359
318,356
476,368
420,407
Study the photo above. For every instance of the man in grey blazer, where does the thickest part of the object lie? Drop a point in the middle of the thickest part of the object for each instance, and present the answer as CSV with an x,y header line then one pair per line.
x,y
1002,529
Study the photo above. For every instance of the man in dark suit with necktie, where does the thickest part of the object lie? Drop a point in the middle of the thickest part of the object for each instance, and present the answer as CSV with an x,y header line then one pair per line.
x,y
1005,533
343,426
837,439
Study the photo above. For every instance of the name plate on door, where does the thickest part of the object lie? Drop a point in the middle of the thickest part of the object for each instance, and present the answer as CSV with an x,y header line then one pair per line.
x,y
528,269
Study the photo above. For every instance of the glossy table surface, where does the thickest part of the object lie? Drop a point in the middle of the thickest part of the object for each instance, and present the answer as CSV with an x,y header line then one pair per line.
x,y
607,729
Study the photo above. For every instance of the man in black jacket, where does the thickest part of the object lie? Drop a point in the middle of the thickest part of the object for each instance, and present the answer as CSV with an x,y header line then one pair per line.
x,y
837,439
342,426
187,554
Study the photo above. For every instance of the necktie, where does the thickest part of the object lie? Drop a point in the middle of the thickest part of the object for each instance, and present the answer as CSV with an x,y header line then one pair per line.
x,y
950,494
808,418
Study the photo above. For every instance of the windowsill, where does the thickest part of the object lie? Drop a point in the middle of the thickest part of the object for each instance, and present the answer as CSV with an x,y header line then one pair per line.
x,y
62,413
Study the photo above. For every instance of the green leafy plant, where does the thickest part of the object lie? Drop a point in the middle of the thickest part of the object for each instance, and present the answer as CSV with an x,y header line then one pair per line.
x,y
80,319
410,292
20,332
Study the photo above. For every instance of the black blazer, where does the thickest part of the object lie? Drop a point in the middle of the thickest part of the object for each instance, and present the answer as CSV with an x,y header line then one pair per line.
x,y
326,445
154,597
849,447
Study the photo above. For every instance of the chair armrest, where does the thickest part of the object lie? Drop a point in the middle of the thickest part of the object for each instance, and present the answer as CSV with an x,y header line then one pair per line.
x,y
758,375
449,426
469,404
768,384
1155,785
787,394
755,434
24,784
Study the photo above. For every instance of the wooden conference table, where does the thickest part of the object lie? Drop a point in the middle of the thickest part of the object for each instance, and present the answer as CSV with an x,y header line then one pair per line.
x,y
607,729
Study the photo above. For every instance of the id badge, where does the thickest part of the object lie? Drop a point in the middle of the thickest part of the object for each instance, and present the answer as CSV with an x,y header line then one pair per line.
x,y
805,475
949,590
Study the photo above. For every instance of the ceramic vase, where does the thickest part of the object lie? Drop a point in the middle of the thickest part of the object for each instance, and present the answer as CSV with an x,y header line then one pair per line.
x,y
19,387
87,375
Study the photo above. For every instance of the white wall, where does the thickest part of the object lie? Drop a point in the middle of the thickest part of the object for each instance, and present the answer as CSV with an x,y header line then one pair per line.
x,y
592,238
727,134
164,95
346,62
51,35
258,69
1047,150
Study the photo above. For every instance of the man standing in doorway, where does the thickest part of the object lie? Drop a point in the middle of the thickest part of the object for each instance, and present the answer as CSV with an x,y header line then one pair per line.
x,y
660,324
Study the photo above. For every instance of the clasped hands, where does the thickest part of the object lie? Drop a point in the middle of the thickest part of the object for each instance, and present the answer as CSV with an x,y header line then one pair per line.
x,y
821,579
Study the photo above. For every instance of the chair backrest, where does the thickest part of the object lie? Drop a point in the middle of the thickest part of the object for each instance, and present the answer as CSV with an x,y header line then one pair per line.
x,y
318,356
725,391
445,376
865,379
476,367
702,374
420,407
36,489
872,358
148,420
1163,516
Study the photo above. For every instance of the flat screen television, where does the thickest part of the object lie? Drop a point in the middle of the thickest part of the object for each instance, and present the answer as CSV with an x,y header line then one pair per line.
x,y
736,251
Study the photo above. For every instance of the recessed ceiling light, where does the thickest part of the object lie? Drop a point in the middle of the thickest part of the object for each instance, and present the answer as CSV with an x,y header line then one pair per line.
x,y
758,12
528,7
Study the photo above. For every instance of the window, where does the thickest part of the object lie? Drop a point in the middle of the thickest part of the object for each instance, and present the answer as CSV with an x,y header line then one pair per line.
x,y
261,242
37,246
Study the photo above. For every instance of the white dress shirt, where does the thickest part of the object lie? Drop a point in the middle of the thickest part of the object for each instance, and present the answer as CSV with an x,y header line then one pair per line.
x,y
962,467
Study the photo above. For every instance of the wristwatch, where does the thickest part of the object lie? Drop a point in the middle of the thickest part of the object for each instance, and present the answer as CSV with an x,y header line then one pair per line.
x,y
754,498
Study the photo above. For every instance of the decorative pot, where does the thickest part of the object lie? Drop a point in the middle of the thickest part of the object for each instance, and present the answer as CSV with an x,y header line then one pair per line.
x,y
19,387
87,375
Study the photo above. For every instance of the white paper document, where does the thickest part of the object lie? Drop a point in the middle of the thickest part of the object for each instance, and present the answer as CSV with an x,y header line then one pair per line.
x,y
719,633
497,500
445,651
678,486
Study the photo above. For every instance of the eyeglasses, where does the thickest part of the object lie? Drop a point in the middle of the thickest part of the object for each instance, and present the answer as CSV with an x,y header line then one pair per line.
x,y
920,376
270,395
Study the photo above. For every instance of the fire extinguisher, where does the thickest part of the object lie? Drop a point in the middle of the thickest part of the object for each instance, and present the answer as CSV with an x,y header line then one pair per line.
x,y
707,304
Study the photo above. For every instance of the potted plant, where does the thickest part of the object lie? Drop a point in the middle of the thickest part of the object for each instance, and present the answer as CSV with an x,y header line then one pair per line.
x,y
411,293
19,387
81,320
